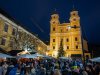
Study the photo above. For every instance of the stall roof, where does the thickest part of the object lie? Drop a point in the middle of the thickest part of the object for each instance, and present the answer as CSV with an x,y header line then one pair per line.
x,y
14,52
3,51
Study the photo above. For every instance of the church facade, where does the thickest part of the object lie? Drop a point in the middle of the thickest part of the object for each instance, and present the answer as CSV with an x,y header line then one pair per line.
x,y
69,33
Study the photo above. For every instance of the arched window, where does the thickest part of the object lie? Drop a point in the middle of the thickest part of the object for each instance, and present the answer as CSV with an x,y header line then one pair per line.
x,y
76,47
67,40
67,47
76,39
54,29
74,19
53,40
53,47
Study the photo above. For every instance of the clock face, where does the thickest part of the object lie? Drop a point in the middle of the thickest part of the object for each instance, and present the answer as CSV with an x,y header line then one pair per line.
x,y
74,19
53,22
74,14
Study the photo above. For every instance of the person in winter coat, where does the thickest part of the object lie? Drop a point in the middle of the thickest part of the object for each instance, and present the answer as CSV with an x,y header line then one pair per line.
x,y
10,67
13,71
1,69
57,72
22,69
33,71
4,66
84,72
43,71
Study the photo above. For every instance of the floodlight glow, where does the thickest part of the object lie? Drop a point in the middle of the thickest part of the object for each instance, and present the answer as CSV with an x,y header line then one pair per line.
x,y
69,27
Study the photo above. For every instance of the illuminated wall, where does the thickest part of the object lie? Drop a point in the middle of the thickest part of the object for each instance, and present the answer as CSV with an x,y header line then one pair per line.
x,y
15,37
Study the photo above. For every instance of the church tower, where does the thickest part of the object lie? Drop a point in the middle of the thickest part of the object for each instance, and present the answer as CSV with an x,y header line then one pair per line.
x,y
75,35
74,18
54,22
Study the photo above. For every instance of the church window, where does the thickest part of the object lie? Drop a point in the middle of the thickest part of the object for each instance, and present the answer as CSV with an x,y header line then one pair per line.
x,y
67,47
76,47
53,40
53,47
66,29
54,29
76,39
61,30
67,40
75,26
62,40
54,22
74,19
74,14
54,17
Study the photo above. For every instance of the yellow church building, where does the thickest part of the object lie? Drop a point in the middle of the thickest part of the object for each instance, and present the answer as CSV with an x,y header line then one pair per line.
x,y
69,33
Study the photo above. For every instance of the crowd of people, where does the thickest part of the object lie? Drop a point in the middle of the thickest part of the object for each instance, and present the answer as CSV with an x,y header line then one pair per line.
x,y
49,67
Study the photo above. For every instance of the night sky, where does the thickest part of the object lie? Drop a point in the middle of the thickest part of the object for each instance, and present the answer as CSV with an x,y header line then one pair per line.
x,y
34,15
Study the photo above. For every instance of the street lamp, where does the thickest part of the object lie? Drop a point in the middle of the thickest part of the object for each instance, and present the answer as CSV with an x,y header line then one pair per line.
x,y
69,27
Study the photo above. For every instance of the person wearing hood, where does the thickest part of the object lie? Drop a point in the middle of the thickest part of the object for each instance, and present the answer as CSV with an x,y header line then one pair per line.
x,y
10,67
1,69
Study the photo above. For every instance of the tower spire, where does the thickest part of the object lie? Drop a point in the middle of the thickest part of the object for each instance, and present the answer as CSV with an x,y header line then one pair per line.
x,y
55,11
73,8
